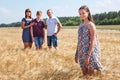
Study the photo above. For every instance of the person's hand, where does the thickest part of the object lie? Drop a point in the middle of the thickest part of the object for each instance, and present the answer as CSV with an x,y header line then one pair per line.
x,y
32,24
76,58
86,62
55,34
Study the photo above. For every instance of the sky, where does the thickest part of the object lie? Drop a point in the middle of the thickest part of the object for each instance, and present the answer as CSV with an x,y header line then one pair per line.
x,y
13,10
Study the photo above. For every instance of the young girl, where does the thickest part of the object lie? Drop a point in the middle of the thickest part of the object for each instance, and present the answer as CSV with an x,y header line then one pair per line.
x,y
25,23
88,49
37,30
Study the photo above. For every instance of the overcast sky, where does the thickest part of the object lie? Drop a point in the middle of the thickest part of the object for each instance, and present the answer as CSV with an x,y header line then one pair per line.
x,y
13,10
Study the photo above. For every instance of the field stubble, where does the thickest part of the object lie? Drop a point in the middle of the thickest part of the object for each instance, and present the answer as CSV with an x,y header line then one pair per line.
x,y
17,64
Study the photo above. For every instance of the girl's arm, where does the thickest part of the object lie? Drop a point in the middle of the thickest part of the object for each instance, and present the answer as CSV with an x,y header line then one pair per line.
x,y
76,55
31,31
23,25
92,37
92,40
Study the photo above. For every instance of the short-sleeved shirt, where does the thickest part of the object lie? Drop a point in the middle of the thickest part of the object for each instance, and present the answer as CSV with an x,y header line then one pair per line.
x,y
27,21
26,36
38,28
52,25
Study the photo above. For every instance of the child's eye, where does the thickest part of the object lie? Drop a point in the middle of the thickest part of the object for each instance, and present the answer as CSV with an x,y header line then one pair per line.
x,y
83,13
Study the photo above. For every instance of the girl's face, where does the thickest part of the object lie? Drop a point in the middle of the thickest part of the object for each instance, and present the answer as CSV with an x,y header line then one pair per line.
x,y
83,14
28,13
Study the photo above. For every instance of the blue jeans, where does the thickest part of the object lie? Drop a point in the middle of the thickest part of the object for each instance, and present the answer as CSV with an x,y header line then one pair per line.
x,y
52,40
38,41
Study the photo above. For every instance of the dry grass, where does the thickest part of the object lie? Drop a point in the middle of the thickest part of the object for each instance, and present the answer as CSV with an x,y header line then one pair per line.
x,y
102,27
16,64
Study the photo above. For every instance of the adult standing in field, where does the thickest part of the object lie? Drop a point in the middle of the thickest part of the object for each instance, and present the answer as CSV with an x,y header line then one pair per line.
x,y
38,30
26,35
53,28
88,48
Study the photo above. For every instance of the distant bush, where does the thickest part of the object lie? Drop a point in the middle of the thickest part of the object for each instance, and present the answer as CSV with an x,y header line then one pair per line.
x,y
15,24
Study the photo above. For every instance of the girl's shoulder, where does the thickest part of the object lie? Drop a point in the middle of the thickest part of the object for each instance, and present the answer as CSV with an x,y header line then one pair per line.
x,y
33,20
23,19
80,25
91,25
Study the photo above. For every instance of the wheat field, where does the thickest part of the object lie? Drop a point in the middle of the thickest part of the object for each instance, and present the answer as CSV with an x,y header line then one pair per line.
x,y
29,64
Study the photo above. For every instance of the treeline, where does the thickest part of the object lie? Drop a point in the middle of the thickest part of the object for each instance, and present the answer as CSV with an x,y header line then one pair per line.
x,y
15,24
70,21
110,18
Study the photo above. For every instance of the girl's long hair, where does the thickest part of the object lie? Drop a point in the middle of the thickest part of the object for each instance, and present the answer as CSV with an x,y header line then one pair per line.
x,y
28,10
90,18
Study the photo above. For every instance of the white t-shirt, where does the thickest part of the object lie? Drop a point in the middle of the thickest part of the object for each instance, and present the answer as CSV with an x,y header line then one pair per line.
x,y
52,25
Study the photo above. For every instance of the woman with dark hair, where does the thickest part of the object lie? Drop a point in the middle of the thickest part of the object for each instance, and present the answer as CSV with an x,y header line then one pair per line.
x,y
26,35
